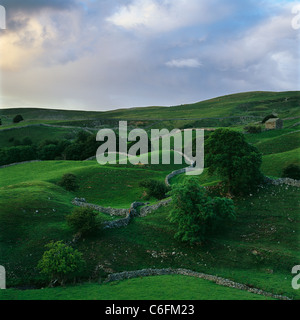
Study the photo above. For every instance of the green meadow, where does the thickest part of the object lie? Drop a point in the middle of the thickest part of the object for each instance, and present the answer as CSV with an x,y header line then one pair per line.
x,y
175,288
259,248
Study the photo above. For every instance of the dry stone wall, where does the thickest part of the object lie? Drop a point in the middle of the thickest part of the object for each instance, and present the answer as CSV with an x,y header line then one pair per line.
x,y
128,213
280,181
144,211
111,211
173,174
218,280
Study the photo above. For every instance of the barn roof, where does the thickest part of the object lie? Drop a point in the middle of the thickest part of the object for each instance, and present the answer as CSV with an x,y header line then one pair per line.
x,y
272,120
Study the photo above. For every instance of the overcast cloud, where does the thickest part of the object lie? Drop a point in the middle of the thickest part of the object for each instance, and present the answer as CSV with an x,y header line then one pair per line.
x,y
108,54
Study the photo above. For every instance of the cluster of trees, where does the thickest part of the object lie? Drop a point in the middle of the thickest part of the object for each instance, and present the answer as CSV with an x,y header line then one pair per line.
x,y
47,150
83,147
196,213
17,154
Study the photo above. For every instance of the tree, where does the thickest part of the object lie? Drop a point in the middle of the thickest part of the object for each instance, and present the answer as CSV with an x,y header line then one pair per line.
x,y
69,182
195,213
82,220
18,118
48,152
26,142
75,151
156,189
237,163
61,262
82,137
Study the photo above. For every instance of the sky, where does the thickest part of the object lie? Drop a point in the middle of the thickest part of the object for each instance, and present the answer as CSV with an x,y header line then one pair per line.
x,y
109,54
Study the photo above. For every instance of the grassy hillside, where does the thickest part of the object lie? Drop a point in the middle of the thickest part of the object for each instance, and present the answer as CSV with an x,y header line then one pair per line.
x,y
251,103
114,186
255,104
259,248
280,148
175,288
36,134
258,254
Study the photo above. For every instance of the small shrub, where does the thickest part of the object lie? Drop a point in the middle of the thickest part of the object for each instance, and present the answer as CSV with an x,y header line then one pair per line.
x,y
18,118
69,182
82,220
17,143
155,189
26,142
253,129
292,171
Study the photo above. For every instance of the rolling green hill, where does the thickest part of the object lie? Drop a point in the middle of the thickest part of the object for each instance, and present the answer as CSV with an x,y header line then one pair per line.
x,y
34,210
255,104
259,248
175,288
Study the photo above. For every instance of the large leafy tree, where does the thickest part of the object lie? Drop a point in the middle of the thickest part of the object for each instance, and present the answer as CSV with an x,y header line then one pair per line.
x,y
196,214
237,163
61,262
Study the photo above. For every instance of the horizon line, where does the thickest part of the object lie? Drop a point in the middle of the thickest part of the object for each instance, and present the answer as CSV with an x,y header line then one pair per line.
x,y
141,107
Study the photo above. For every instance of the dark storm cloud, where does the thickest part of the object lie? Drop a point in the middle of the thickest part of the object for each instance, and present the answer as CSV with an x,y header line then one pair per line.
x,y
36,4
30,7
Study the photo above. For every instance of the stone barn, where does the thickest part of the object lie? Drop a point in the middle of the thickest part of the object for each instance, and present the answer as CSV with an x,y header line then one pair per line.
x,y
274,123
